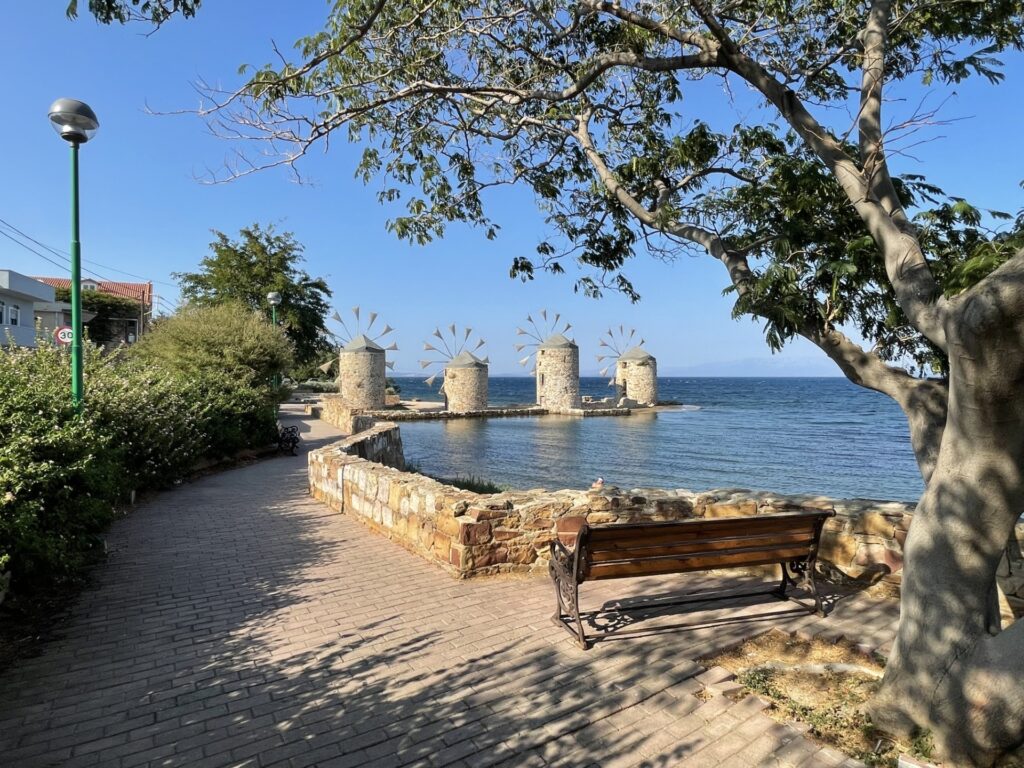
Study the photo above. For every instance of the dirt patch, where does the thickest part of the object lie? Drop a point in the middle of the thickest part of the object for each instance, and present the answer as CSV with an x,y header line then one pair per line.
x,y
822,685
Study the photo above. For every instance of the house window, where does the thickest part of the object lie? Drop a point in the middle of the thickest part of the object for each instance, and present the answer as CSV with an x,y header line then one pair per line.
x,y
3,313
15,315
88,285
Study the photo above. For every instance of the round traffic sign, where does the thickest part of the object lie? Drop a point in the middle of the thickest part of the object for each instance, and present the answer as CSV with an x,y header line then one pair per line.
x,y
64,334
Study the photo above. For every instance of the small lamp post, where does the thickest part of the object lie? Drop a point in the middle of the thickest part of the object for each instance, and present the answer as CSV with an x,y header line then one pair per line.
x,y
274,299
76,123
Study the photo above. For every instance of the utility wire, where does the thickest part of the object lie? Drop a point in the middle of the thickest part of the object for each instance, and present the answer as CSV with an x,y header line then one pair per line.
x,y
65,254
33,250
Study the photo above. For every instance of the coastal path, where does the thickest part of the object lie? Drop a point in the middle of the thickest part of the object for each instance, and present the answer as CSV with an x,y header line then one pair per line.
x,y
238,622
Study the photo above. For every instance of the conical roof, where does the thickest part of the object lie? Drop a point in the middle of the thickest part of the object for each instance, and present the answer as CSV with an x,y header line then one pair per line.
x,y
557,341
360,343
466,360
636,353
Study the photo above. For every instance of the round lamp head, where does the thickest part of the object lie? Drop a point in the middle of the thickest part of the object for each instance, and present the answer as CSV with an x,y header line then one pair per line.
x,y
73,120
274,298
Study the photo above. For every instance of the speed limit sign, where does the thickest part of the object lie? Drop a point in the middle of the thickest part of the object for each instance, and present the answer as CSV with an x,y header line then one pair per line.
x,y
64,334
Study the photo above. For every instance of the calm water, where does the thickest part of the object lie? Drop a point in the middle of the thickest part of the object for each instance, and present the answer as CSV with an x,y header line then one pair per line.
x,y
823,436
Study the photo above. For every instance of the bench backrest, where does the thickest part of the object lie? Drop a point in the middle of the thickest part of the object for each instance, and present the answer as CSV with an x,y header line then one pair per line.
x,y
648,549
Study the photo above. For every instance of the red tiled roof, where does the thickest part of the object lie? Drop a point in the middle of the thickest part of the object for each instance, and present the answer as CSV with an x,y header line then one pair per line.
x,y
142,292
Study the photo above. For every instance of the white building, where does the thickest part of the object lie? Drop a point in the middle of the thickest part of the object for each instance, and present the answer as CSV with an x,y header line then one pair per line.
x,y
18,297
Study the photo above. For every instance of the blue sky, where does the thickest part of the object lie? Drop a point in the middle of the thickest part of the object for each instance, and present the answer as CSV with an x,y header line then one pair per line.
x,y
145,214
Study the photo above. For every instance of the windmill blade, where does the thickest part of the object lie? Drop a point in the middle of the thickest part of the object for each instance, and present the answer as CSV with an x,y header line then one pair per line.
x,y
520,332
355,311
390,365
622,330
336,317
525,360
387,329
519,347
430,381
557,316
425,364
373,317
632,332
467,332
326,367
642,342
393,347
567,327
482,342
603,343
600,358
529,319
604,371
611,382
452,328
430,348
544,314
486,361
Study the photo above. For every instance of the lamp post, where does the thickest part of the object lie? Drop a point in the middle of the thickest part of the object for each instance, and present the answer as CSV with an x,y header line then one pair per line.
x,y
274,299
76,123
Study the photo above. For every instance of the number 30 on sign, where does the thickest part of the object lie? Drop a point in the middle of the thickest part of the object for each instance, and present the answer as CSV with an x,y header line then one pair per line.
x,y
63,335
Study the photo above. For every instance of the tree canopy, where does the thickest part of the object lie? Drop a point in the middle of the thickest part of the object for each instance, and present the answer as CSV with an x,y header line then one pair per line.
x,y
228,338
245,270
122,11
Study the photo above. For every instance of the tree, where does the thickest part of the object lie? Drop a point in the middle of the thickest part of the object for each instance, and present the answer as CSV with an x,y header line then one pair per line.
x,y
583,102
246,270
227,338
154,12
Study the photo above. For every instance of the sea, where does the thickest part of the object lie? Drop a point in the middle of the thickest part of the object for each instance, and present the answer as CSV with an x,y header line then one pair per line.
x,y
822,436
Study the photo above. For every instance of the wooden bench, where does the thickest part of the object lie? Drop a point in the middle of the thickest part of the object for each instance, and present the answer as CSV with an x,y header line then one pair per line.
x,y
620,551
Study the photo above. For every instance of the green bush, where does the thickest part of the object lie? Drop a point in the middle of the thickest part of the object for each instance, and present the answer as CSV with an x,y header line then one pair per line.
x,y
144,425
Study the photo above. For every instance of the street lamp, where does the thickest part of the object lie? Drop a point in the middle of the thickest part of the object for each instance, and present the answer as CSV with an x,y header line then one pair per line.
x,y
274,299
76,123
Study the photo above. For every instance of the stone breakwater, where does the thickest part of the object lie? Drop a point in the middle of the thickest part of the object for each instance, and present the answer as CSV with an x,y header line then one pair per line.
x,y
334,411
471,534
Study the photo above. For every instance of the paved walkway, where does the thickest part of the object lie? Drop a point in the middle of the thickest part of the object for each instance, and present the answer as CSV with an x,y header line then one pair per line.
x,y
238,622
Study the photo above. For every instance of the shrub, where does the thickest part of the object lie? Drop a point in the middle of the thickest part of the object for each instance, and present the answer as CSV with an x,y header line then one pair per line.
x,y
144,425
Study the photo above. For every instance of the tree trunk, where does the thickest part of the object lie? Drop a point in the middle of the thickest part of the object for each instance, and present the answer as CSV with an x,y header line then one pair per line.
x,y
952,670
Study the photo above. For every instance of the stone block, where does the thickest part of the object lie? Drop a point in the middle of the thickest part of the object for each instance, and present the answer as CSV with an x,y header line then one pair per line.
x,y
509,534
875,524
474,533
737,508
570,525
521,555
449,525
492,556
674,508
457,556
599,518
486,513
837,548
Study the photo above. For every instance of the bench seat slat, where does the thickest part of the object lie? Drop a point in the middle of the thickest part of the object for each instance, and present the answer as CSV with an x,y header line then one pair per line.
x,y
627,534
630,551
696,562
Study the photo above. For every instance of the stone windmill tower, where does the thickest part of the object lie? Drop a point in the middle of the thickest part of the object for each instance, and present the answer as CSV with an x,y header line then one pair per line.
x,y
362,362
556,361
636,370
465,374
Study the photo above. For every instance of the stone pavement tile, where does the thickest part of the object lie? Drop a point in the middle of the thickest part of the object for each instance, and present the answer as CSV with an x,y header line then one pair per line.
x,y
239,622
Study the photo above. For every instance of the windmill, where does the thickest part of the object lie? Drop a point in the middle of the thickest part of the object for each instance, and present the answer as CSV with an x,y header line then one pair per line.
x,y
615,342
541,331
556,360
636,370
465,374
362,360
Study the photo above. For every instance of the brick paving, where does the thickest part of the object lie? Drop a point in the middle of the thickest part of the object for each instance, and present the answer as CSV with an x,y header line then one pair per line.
x,y
240,623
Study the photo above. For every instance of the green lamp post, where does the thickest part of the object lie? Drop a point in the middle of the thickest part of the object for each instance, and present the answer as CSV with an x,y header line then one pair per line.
x,y
274,299
76,123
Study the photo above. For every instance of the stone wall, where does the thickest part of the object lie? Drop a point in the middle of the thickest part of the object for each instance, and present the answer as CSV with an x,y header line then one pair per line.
x,y
558,377
362,378
336,412
465,388
471,534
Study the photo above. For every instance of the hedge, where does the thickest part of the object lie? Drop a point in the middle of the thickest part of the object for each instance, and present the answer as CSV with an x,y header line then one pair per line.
x,y
144,426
